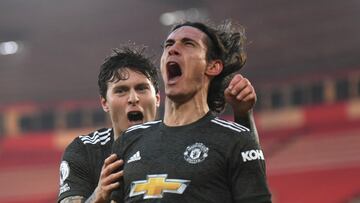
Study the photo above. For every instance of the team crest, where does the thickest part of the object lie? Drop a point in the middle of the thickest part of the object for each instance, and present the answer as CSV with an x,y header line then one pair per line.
x,y
196,153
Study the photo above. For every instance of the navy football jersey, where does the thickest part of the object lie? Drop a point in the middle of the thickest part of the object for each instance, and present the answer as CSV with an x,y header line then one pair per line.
x,y
210,160
82,162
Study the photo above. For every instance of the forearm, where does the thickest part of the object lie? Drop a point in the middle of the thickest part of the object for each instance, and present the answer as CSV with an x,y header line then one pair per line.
x,y
73,199
92,198
248,121
80,199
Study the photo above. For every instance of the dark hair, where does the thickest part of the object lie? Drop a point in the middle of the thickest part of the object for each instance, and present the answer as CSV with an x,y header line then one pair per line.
x,y
224,42
131,57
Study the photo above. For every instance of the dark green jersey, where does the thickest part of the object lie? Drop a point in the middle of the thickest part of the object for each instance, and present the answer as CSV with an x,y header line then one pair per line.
x,y
210,160
82,162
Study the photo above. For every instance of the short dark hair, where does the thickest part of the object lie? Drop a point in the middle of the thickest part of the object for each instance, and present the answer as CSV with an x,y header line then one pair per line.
x,y
225,42
127,56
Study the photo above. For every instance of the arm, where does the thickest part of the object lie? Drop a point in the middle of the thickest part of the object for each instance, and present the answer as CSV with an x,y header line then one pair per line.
x,y
79,199
73,199
75,174
241,95
107,183
247,171
109,180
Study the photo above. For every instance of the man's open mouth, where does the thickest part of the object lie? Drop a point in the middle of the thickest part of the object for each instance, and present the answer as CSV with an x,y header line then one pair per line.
x,y
173,70
134,116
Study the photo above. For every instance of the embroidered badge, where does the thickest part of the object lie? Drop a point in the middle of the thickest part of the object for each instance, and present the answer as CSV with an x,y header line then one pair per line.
x,y
196,153
64,171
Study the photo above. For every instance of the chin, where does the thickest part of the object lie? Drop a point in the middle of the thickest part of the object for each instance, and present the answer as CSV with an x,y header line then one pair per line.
x,y
179,98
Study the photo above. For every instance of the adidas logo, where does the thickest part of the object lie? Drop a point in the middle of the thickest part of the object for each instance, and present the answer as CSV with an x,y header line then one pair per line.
x,y
135,157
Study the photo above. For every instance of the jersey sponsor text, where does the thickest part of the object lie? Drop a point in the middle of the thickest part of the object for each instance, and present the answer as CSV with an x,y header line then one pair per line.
x,y
251,155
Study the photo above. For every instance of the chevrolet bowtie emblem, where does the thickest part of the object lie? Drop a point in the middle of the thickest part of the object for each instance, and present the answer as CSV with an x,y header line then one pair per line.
x,y
156,185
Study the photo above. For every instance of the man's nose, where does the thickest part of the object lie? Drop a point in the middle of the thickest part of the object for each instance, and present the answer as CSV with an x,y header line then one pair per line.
x,y
174,49
133,97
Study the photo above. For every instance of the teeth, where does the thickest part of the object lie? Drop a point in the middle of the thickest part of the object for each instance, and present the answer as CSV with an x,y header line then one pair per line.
x,y
172,65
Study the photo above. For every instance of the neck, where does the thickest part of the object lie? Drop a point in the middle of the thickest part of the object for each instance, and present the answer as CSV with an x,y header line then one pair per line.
x,y
178,114
117,133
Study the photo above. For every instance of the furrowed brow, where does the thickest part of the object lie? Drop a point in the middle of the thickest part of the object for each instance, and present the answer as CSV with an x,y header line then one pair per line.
x,y
186,39
169,41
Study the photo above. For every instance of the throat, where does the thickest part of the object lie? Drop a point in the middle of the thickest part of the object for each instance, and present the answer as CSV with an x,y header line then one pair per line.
x,y
183,114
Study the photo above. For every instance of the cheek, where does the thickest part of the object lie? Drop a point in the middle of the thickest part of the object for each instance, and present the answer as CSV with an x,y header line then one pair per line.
x,y
162,64
163,73
149,106
117,108
117,101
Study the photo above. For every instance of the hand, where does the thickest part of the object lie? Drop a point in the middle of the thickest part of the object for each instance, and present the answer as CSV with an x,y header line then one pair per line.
x,y
240,94
108,179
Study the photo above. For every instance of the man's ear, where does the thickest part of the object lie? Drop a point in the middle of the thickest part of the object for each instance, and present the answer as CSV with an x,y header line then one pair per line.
x,y
104,104
157,100
214,68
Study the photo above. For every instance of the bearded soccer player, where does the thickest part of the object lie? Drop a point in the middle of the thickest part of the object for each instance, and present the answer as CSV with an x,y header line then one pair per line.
x,y
129,93
192,155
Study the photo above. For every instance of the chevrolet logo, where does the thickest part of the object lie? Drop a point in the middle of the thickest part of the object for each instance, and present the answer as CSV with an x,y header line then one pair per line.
x,y
156,185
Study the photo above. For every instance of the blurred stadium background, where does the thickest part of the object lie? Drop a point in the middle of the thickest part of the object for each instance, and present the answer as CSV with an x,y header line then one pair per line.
x,y
303,59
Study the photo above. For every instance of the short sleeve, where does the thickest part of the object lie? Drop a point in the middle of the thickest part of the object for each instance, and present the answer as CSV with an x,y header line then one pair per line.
x,y
247,171
75,175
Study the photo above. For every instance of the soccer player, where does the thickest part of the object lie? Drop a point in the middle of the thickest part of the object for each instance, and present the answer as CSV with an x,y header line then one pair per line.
x,y
129,93
192,155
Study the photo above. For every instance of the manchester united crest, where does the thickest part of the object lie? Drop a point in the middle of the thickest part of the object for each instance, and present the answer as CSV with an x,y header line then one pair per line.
x,y
196,153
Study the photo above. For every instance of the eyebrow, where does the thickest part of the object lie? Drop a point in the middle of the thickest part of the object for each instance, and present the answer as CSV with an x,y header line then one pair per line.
x,y
120,87
185,39
127,86
142,84
169,41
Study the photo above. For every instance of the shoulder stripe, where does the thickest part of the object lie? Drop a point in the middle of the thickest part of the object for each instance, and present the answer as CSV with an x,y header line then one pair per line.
x,y
233,124
153,122
227,125
94,136
105,141
138,127
142,126
95,139
103,137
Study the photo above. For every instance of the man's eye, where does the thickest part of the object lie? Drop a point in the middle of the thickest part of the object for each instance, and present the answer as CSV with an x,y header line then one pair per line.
x,y
189,44
120,91
142,88
168,44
